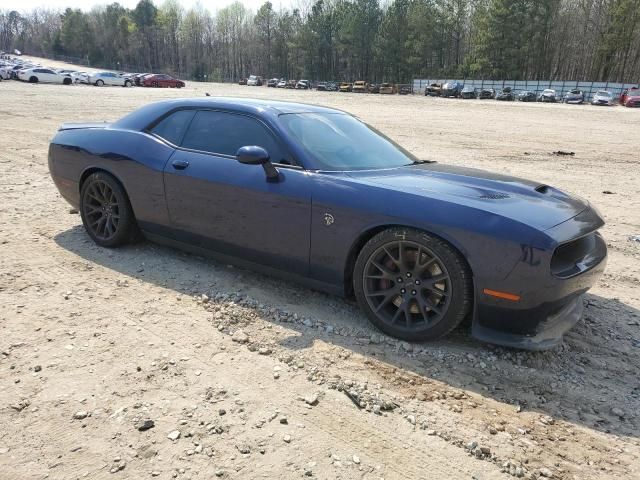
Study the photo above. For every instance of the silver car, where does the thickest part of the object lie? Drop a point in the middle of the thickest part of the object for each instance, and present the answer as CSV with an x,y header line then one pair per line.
x,y
603,97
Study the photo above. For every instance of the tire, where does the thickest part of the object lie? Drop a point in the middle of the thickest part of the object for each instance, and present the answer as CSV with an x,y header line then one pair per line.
x,y
106,211
99,83
409,300
154,84
33,79
66,81
127,83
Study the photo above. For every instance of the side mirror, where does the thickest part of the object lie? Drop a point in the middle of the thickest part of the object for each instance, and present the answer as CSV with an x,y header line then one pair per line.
x,y
254,155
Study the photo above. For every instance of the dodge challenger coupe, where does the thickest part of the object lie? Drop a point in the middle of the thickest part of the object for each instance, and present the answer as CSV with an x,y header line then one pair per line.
x,y
315,195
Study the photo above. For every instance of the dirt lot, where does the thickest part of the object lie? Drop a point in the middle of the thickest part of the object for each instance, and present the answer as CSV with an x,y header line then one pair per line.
x,y
259,378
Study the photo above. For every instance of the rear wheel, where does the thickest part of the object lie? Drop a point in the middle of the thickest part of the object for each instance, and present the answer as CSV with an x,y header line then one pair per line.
x,y
154,84
99,83
127,83
66,81
106,212
33,79
412,285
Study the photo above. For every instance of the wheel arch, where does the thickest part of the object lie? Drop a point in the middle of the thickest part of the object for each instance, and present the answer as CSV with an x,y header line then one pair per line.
x,y
372,231
93,169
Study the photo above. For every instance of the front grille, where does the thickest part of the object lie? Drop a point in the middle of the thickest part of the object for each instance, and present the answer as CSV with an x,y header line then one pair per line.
x,y
577,256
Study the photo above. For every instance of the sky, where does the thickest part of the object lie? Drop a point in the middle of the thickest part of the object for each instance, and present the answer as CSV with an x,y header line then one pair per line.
x,y
211,5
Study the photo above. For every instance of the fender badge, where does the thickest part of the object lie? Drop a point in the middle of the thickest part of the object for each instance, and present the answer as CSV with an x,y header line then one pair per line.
x,y
328,219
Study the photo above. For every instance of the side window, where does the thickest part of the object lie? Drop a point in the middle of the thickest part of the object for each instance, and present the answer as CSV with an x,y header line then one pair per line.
x,y
225,133
172,128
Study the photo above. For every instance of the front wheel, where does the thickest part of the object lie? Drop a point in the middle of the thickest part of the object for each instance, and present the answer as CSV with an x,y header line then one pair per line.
x,y
412,285
106,212
100,83
127,83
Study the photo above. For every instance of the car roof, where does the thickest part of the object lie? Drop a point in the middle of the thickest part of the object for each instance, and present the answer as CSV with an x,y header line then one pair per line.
x,y
142,117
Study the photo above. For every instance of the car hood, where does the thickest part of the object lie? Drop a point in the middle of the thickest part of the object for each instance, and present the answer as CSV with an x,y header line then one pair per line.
x,y
531,203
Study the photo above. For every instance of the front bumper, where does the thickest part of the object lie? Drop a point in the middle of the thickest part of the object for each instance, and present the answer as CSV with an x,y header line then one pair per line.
x,y
550,286
548,335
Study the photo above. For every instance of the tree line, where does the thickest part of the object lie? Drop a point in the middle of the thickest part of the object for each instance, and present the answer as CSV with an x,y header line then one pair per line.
x,y
393,40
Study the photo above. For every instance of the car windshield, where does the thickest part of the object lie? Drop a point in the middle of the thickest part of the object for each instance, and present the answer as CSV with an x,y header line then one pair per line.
x,y
338,141
604,94
551,92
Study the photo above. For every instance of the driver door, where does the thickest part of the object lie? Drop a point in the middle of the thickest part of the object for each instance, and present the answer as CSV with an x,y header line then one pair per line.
x,y
217,203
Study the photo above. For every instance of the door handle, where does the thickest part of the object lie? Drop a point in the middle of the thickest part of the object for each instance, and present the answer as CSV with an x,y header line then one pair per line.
x,y
180,164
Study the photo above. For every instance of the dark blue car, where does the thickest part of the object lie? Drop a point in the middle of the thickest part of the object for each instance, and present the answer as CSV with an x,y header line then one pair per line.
x,y
315,195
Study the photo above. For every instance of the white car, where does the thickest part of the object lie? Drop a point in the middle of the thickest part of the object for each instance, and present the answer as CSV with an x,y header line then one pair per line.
x,y
603,97
281,84
254,81
108,78
43,75
5,72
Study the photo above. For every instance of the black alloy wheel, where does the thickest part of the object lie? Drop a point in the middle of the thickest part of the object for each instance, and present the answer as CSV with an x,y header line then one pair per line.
x,y
412,285
106,212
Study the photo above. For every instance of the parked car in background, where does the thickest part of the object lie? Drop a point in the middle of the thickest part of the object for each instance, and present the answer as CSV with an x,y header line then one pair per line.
x,y
451,89
303,85
282,83
527,96
548,95
100,79
505,95
387,89
5,72
254,81
404,89
332,86
66,71
433,90
272,82
138,77
346,87
242,81
291,84
21,66
603,97
359,87
373,88
574,96
468,92
487,94
44,75
630,97
321,87
161,80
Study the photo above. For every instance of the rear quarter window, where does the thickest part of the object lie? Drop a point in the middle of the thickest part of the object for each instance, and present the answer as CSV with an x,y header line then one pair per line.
x,y
172,127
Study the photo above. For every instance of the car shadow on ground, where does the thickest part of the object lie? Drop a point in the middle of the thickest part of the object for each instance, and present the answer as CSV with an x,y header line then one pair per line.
x,y
591,380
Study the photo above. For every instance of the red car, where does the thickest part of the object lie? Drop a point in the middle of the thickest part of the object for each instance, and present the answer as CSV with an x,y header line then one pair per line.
x,y
631,97
161,80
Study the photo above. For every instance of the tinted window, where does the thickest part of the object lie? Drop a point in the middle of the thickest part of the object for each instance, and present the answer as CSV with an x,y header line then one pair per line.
x,y
341,142
225,133
172,128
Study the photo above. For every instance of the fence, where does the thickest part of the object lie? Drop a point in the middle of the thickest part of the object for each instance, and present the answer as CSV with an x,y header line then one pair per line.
x,y
561,87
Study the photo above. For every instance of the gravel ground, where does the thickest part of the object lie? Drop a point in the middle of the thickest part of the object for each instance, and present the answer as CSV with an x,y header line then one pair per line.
x,y
148,362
